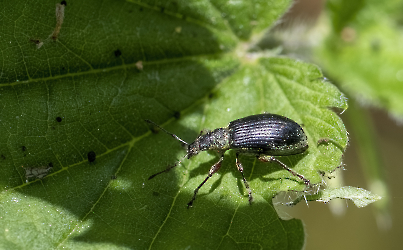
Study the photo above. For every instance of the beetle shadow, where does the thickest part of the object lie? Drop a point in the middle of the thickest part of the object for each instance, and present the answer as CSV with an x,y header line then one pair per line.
x,y
203,170
265,168
228,165
253,168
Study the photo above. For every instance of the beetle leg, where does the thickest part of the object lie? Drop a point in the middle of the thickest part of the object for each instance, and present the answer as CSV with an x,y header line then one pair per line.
x,y
266,158
213,170
240,168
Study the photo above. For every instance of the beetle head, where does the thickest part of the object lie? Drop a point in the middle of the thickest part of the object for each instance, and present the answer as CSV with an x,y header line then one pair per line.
x,y
193,149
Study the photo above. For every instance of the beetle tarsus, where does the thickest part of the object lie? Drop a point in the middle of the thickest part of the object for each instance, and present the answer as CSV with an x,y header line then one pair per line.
x,y
240,168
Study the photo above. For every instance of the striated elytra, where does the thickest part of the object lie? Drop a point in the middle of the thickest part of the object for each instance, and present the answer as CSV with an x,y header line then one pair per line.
x,y
263,136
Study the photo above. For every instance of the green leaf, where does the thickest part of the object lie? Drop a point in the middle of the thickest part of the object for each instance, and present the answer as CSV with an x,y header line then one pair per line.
x,y
359,196
365,55
87,92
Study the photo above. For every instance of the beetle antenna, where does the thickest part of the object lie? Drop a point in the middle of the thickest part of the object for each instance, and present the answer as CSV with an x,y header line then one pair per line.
x,y
168,168
169,133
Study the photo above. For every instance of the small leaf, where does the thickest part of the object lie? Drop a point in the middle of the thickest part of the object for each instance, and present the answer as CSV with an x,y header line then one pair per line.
x,y
359,196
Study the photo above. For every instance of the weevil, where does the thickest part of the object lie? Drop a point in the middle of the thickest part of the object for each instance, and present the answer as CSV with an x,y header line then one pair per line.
x,y
262,135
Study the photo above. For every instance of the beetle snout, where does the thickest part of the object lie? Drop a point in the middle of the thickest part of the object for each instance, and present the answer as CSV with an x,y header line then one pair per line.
x,y
193,149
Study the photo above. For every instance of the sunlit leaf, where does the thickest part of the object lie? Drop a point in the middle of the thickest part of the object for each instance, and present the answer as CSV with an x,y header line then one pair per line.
x,y
116,63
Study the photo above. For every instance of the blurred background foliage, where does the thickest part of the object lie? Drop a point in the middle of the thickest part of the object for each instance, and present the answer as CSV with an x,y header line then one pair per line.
x,y
358,45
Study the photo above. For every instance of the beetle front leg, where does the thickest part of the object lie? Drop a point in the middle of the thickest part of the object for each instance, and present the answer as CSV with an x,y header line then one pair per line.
x,y
266,158
213,170
240,168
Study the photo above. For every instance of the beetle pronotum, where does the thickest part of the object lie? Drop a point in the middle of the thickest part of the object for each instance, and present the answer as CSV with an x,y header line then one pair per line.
x,y
262,135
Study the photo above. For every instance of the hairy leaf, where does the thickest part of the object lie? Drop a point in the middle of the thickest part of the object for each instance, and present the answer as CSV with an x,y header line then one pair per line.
x,y
76,152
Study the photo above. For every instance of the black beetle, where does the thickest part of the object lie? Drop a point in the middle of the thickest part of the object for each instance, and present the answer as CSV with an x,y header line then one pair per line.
x,y
262,135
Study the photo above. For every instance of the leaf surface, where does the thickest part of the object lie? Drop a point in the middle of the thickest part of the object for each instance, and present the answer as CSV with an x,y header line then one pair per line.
x,y
117,63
